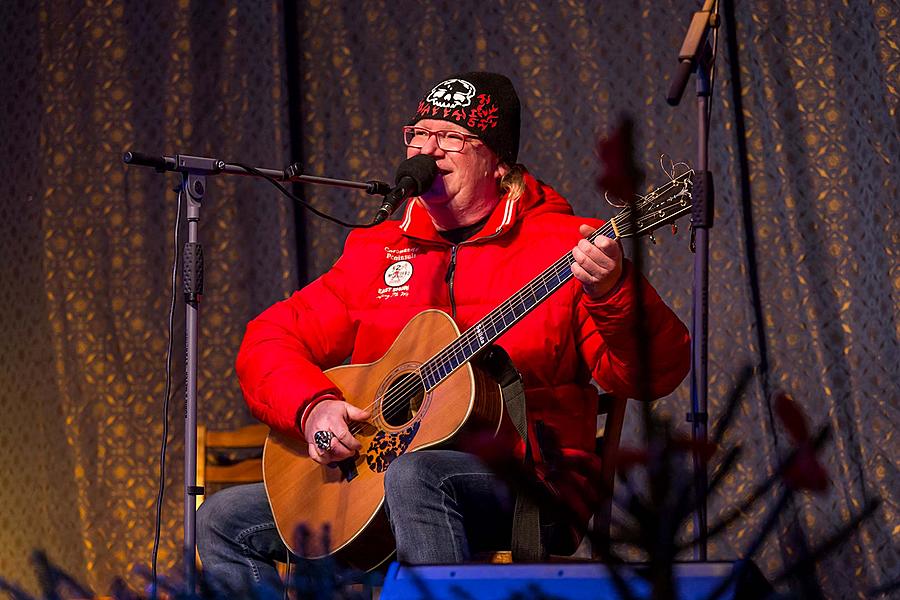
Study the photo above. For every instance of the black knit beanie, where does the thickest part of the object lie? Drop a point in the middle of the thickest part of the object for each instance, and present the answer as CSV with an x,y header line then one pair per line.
x,y
484,103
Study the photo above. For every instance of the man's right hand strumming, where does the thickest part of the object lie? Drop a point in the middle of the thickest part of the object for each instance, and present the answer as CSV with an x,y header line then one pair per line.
x,y
326,430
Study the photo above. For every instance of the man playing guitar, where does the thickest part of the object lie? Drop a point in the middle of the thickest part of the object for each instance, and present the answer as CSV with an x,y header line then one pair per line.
x,y
484,228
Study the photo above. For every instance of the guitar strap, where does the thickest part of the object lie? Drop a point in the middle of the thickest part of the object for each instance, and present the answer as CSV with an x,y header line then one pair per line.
x,y
527,542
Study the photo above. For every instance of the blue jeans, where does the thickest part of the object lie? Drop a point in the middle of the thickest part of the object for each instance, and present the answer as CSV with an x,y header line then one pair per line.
x,y
443,506
237,540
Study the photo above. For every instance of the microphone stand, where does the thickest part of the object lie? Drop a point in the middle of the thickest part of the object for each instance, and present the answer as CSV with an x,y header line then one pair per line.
x,y
697,56
194,171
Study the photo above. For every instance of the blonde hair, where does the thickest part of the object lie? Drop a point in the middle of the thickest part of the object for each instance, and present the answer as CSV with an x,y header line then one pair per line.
x,y
513,183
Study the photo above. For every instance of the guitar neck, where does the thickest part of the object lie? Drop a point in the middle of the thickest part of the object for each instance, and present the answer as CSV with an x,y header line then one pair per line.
x,y
498,321
661,206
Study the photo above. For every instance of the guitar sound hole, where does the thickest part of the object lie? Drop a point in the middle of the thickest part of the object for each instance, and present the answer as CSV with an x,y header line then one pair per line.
x,y
402,399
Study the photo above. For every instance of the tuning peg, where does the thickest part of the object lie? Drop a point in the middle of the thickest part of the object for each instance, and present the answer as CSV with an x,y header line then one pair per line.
x,y
653,239
674,228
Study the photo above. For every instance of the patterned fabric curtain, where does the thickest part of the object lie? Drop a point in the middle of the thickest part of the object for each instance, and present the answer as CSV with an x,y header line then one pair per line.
x,y
87,251
87,242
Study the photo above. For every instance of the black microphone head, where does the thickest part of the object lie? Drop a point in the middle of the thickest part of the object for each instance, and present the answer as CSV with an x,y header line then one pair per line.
x,y
422,169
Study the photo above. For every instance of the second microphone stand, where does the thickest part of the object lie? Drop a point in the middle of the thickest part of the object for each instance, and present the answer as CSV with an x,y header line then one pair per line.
x,y
696,55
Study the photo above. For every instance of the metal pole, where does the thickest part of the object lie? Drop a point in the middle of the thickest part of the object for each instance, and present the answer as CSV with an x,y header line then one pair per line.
x,y
194,187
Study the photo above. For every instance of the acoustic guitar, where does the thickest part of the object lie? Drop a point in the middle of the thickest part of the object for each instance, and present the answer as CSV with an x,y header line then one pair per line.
x,y
422,392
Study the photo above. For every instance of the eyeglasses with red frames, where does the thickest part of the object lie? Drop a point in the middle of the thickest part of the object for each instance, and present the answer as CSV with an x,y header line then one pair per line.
x,y
448,141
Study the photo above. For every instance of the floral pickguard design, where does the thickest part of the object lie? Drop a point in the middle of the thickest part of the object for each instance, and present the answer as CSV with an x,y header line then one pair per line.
x,y
386,446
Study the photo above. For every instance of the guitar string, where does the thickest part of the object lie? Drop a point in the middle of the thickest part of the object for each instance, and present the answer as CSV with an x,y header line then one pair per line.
x,y
395,399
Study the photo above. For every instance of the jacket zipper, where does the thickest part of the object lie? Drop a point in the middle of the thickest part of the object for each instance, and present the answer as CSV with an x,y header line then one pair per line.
x,y
451,270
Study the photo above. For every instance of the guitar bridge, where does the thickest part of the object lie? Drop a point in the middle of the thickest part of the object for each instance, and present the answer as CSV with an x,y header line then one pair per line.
x,y
348,469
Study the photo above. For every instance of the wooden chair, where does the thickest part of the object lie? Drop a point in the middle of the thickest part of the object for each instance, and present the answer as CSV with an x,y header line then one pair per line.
x,y
229,457
608,437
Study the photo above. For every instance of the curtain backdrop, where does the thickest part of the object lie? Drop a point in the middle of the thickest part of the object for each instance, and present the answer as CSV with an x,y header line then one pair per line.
x,y
87,248
87,242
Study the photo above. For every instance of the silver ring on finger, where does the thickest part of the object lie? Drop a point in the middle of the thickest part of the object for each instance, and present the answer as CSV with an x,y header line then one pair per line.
x,y
323,440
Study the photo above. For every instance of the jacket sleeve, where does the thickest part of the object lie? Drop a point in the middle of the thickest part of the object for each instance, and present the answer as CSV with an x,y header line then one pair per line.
x,y
285,349
611,347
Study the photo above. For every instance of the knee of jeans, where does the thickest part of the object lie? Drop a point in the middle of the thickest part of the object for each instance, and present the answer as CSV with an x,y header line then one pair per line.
x,y
206,520
213,513
407,473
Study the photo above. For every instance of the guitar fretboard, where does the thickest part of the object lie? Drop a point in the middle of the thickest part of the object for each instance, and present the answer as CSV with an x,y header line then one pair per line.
x,y
660,206
499,320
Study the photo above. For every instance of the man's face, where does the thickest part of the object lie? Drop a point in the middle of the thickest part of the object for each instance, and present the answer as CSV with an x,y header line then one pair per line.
x,y
466,180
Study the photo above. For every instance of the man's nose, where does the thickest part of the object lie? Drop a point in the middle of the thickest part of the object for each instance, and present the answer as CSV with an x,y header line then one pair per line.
x,y
431,146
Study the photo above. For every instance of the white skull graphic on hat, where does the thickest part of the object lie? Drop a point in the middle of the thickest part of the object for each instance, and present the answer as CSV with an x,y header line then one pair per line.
x,y
452,93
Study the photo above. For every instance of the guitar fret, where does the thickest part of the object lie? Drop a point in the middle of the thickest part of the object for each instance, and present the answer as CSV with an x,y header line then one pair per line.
x,y
528,302
475,346
545,286
563,275
518,310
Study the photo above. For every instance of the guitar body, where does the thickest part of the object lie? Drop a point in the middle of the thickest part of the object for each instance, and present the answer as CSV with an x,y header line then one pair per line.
x,y
324,510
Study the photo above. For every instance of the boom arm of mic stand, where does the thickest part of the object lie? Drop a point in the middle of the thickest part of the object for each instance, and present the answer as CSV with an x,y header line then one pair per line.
x,y
694,41
198,165
294,174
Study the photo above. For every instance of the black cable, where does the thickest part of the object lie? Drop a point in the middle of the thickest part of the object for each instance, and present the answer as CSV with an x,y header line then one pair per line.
x,y
740,131
286,584
753,265
293,82
303,202
165,432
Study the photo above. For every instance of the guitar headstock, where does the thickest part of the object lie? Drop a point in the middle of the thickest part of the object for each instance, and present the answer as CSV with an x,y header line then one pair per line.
x,y
660,207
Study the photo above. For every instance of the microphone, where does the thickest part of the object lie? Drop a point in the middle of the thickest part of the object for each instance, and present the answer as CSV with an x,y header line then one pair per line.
x,y
414,177
691,52
160,163
679,82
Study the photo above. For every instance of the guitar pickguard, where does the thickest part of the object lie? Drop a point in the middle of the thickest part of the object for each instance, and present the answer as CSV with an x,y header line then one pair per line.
x,y
386,446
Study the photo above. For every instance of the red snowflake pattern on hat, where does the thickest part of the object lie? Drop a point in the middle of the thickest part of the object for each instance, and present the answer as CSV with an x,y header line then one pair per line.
x,y
484,115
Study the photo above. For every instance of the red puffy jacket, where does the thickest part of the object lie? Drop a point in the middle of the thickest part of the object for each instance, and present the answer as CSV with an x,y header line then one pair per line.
x,y
390,273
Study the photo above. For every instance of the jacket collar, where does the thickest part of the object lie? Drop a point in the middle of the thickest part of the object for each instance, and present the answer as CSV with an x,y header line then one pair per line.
x,y
416,222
